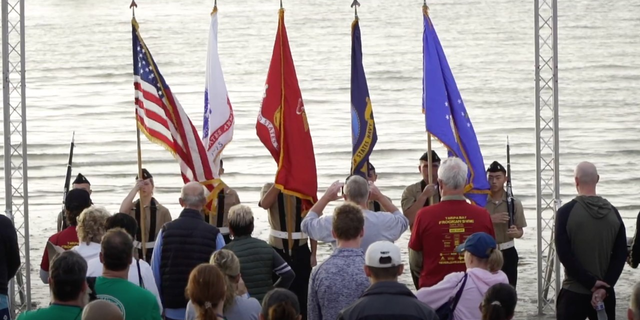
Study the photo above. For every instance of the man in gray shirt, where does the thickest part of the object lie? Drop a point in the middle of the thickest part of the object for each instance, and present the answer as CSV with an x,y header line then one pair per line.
x,y
340,280
379,225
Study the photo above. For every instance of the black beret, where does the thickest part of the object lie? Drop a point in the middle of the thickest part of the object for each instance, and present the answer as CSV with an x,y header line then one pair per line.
x,y
81,179
145,175
496,167
434,156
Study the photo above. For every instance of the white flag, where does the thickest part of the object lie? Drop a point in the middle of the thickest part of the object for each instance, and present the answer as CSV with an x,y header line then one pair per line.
x,y
218,113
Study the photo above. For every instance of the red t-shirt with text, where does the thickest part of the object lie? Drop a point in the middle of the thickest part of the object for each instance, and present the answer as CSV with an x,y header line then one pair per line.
x,y
67,239
437,231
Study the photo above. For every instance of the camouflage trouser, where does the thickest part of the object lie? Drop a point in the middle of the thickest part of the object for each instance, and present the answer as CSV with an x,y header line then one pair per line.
x,y
4,308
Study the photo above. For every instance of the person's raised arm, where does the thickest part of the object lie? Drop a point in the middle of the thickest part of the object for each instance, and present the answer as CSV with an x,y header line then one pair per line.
x,y
412,210
317,227
269,198
127,203
376,195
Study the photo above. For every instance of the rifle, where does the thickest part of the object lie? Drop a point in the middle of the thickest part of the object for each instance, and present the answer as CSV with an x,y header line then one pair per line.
x,y
67,182
510,200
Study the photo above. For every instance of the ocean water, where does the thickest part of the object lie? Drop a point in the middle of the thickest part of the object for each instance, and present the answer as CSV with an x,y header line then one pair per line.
x,y
79,78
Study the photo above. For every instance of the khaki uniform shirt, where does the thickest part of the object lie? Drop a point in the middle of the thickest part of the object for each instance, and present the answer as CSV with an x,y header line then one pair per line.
x,y
412,193
501,207
372,207
274,216
162,216
230,199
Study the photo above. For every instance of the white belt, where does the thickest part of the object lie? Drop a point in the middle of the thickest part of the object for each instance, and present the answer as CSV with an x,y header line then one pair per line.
x,y
138,245
224,230
506,245
285,235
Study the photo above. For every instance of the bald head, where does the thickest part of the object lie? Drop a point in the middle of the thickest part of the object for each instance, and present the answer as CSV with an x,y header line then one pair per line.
x,y
586,173
101,310
192,196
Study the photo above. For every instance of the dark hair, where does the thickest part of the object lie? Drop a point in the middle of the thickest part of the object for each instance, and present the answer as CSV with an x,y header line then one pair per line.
x,y
499,302
117,249
75,202
389,273
124,221
280,304
206,286
68,272
348,221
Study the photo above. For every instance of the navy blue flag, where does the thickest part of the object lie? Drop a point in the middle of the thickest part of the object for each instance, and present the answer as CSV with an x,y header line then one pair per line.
x,y
363,128
446,118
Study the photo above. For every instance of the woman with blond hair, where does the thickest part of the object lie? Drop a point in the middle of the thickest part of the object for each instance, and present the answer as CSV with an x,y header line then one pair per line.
x,y
90,229
206,291
459,294
236,306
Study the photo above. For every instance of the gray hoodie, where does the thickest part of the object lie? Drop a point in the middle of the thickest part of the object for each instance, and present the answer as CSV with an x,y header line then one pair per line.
x,y
591,243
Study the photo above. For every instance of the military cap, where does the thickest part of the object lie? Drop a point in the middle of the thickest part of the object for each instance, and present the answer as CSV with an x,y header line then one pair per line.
x,y
496,167
80,179
434,157
145,175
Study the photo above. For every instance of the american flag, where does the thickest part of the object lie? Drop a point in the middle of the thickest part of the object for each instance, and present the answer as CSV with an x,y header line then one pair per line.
x,y
163,120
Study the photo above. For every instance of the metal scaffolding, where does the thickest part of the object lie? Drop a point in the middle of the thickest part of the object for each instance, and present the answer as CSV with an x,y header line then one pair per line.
x,y
547,150
15,145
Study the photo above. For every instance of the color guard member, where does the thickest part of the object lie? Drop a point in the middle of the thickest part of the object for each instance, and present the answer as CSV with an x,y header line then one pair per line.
x,y
280,207
505,233
417,196
80,182
374,206
156,214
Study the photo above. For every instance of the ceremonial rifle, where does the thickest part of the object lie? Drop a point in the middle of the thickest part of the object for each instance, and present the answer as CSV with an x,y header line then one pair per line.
x,y
510,199
67,181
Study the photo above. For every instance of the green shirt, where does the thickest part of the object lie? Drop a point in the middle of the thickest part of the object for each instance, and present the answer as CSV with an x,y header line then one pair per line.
x,y
54,311
135,302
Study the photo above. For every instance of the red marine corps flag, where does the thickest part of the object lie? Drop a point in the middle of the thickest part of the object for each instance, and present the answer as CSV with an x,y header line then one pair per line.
x,y
282,124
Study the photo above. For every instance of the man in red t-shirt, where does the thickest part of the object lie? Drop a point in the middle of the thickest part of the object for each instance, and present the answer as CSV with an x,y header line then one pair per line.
x,y
76,201
439,228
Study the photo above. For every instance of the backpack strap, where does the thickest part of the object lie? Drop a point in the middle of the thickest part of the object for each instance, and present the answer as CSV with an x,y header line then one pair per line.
x,y
91,282
456,298
140,281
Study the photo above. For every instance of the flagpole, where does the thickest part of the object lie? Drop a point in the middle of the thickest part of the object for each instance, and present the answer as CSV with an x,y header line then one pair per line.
x,y
143,214
425,11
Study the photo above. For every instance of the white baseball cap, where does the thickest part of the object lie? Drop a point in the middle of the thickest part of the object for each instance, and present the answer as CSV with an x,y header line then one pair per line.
x,y
382,254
